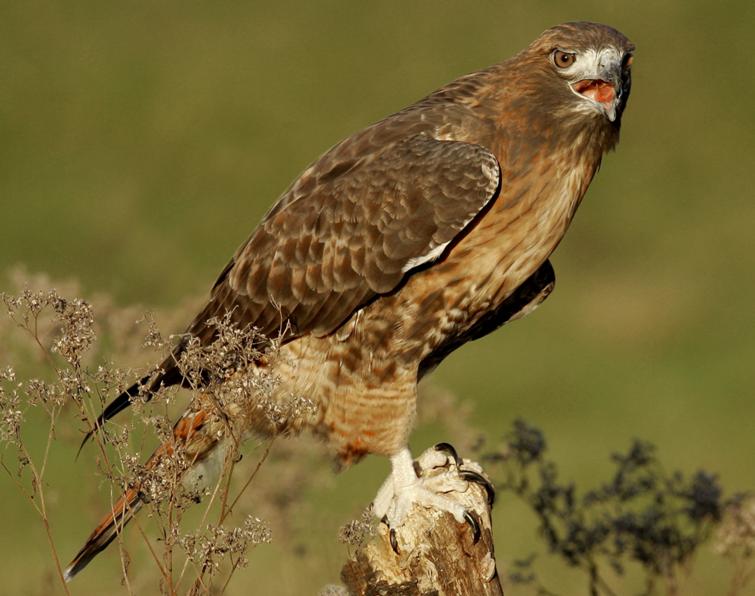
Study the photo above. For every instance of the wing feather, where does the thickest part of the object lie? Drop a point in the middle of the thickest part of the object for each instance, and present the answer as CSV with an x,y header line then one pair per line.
x,y
361,227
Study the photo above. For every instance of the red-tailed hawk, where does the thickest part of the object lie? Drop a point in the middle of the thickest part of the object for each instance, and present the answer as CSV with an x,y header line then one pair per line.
x,y
419,233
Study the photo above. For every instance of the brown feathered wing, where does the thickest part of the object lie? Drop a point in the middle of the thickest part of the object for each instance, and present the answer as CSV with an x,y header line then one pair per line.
x,y
353,227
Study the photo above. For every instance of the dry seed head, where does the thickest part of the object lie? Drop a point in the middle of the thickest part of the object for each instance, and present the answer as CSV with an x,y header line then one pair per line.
x,y
210,546
11,408
736,535
359,531
77,335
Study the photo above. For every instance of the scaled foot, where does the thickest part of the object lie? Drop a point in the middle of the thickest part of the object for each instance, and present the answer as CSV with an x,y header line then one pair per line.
x,y
438,479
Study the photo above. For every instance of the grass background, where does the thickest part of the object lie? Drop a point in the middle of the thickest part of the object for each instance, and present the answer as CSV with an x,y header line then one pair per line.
x,y
140,143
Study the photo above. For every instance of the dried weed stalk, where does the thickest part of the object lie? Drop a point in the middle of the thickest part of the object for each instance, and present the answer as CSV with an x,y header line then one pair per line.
x,y
735,540
66,349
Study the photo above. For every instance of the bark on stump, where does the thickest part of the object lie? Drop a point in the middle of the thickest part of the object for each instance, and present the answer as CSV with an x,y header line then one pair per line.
x,y
436,554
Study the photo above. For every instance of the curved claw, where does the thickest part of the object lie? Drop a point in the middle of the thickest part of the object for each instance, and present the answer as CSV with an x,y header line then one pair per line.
x,y
472,476
451,451
476,533
394,541
391,534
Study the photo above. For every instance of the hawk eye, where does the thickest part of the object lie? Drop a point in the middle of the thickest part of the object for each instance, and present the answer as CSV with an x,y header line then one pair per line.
x,y
563,59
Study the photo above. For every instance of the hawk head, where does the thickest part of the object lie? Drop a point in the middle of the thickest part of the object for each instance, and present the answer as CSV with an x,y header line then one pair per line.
x,y
583,71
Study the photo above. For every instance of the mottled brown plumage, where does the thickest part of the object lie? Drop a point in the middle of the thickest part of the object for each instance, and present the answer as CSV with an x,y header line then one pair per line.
x,y
425,230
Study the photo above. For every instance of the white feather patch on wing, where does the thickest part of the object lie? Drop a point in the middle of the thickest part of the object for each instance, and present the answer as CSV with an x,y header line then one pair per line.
x,y
492,171
426,258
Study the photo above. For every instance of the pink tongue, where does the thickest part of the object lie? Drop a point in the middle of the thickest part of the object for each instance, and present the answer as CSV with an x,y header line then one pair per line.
x,y
599,91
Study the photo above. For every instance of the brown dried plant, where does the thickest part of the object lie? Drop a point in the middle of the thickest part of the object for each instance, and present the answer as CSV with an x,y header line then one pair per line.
x,y
64,345
735,540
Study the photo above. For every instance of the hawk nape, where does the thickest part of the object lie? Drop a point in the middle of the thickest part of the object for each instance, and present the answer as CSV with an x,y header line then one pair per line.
x,y
413,236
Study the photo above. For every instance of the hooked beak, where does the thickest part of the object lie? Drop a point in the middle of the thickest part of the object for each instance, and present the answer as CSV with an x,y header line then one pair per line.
x,y
600,92
609,88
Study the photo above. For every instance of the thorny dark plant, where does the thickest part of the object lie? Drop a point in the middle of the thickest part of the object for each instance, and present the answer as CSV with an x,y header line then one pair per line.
x,y
641,515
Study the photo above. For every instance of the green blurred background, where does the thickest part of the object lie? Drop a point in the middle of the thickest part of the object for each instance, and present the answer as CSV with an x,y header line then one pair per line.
x,y
140,142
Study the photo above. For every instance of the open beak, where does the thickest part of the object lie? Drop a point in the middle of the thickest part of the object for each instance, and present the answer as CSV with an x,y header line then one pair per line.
x,y
600,92
609,88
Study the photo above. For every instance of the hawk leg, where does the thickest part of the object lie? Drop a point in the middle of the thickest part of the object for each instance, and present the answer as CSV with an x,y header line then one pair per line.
x,y
430,481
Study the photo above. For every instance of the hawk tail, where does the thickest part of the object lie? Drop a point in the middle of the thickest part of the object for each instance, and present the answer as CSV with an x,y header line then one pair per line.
x,y
194,436
106,531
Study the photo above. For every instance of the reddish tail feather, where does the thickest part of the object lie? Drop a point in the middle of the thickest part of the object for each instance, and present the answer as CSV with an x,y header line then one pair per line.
x,y
106,531
197,442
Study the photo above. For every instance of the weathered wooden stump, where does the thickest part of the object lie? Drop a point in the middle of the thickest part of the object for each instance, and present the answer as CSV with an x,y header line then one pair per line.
x,y
436,554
